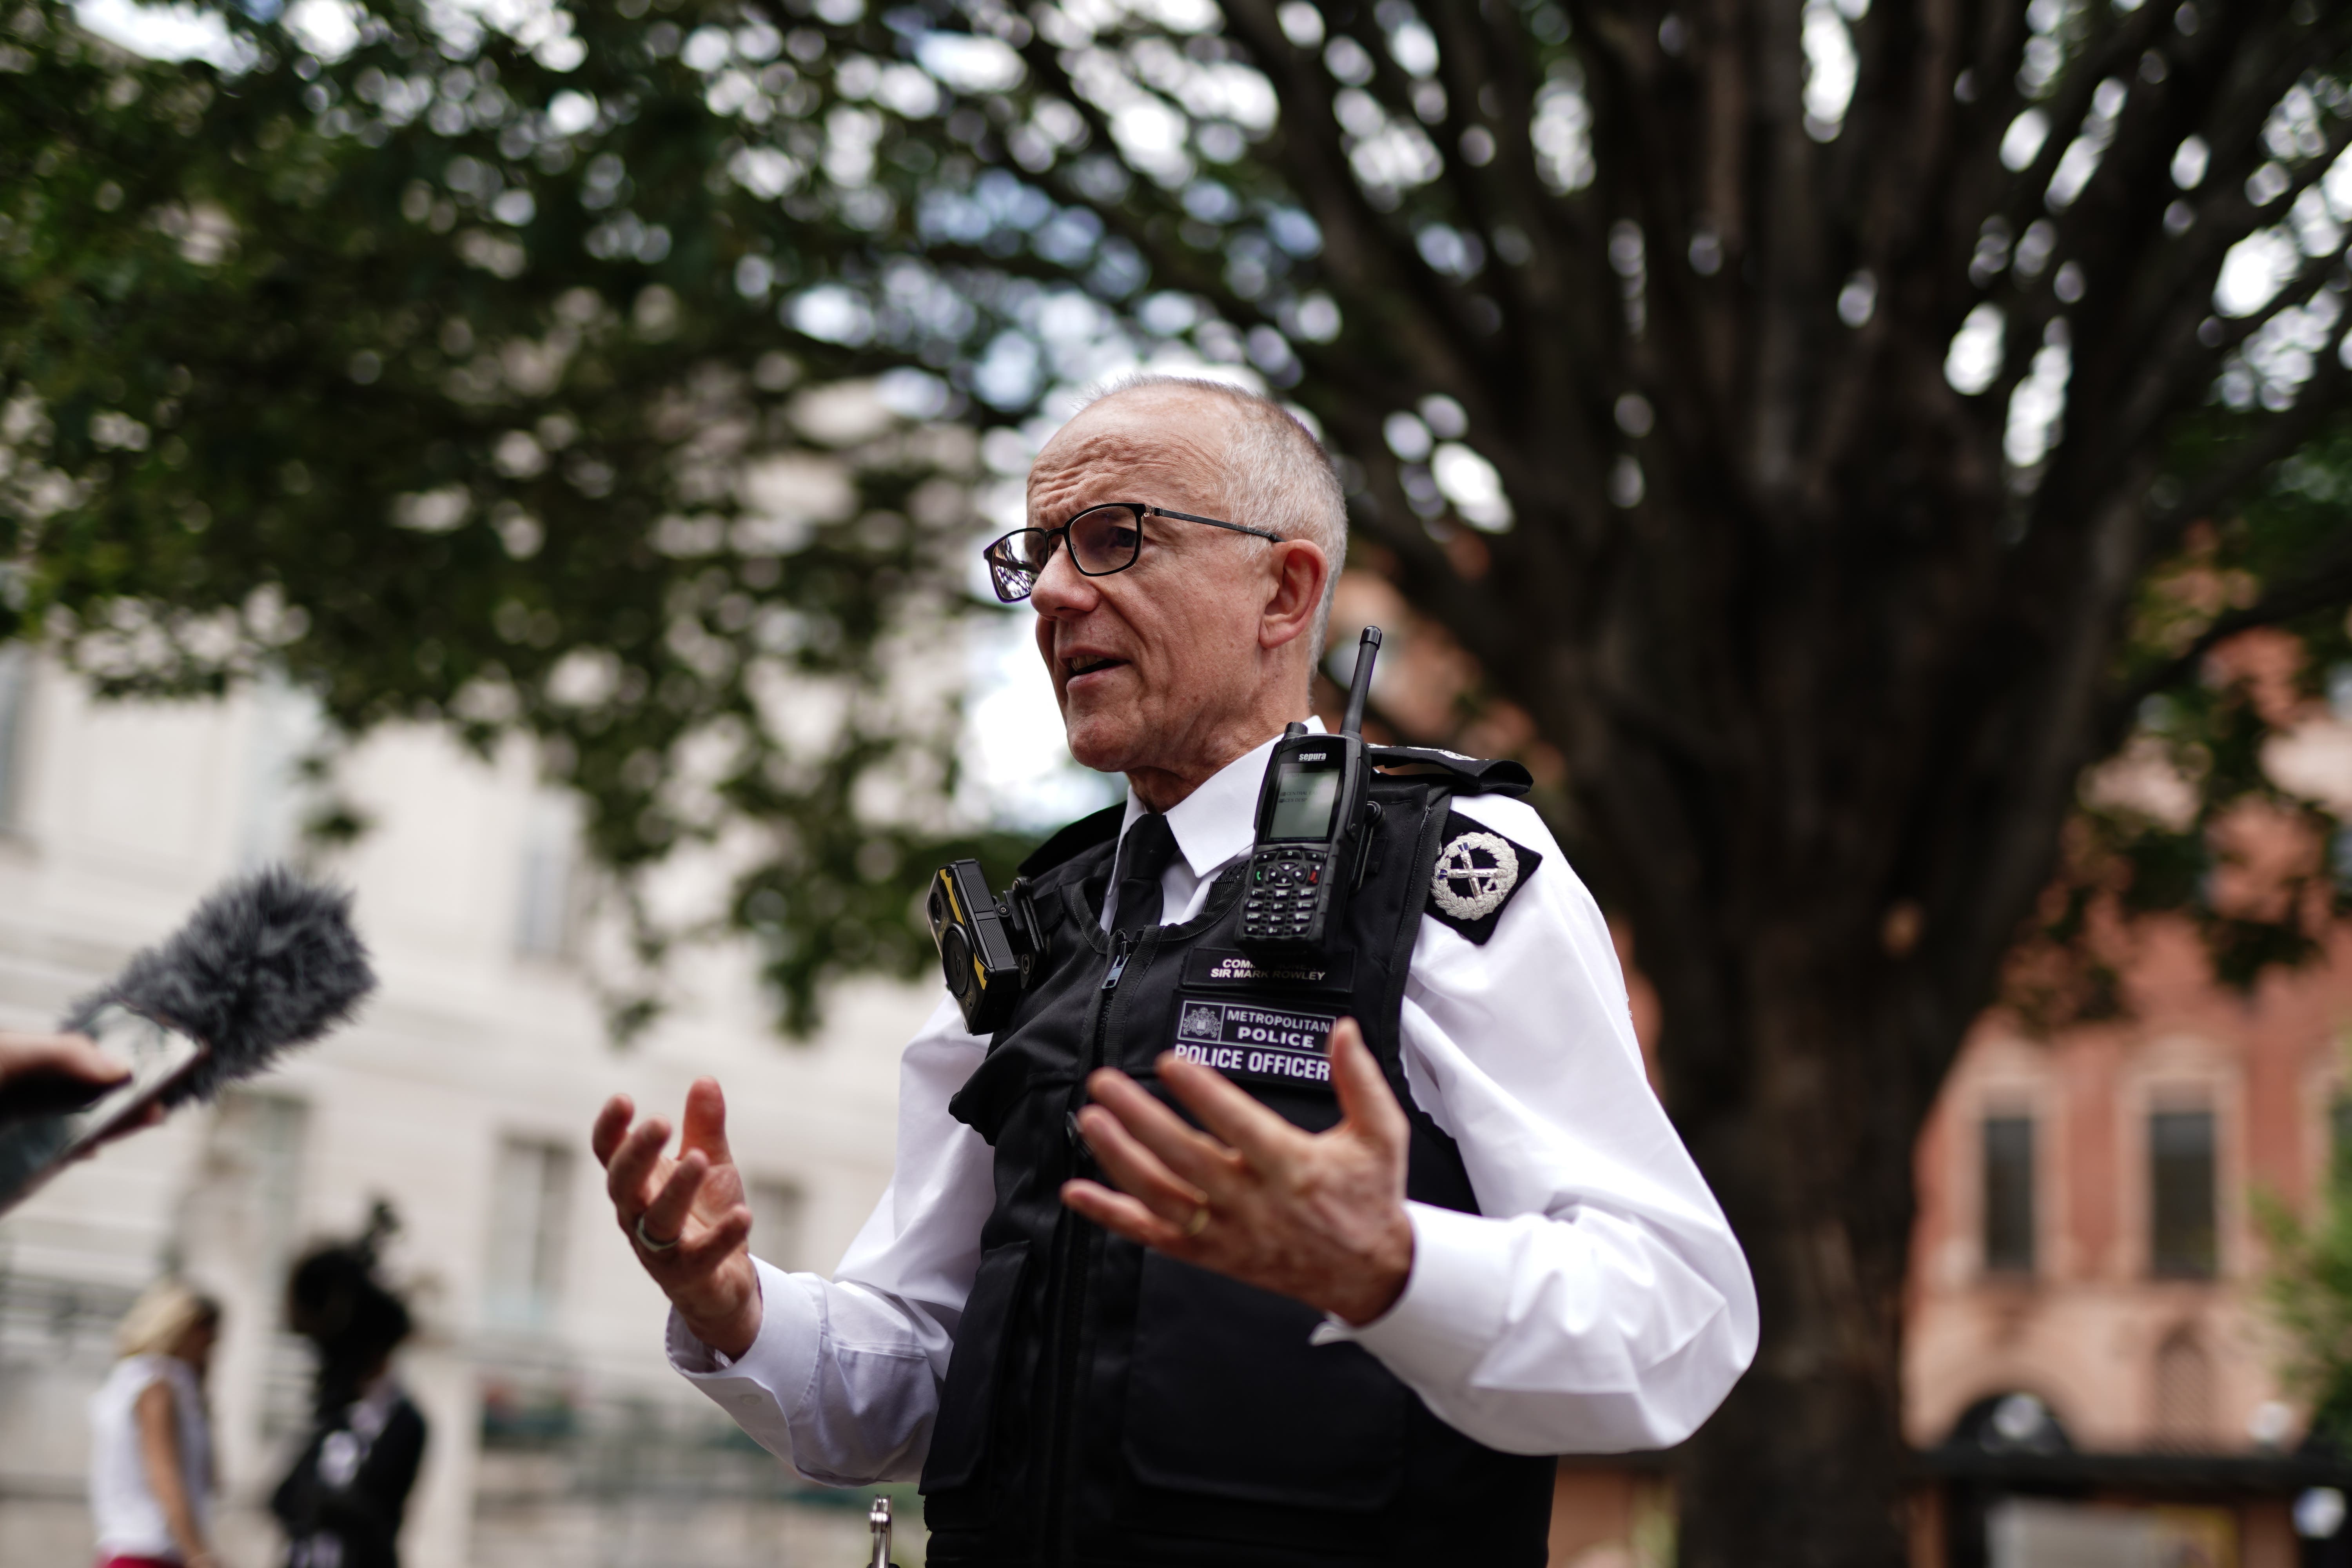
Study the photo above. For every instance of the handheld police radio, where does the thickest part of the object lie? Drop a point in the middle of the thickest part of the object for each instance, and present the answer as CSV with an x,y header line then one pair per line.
x,y
1308,811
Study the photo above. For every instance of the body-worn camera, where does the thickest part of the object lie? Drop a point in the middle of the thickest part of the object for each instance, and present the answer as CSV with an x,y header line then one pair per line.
x,y
987,944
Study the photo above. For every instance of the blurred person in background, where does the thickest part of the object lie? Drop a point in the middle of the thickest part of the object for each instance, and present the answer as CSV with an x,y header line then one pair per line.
x,y
341,1503
151,1469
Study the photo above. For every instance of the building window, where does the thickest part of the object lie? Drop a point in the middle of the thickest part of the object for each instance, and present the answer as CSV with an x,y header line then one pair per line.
x,y
260,1138
2009,1195
2184,1392
528,1207
283,726
777,1210
547,894
246,1203
2182,1241
15,690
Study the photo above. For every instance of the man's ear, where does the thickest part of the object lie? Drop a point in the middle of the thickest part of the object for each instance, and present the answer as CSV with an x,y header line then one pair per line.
x,y
1299,570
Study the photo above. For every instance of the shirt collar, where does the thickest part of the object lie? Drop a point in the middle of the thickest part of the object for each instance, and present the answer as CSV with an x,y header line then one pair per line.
x,y
1217,823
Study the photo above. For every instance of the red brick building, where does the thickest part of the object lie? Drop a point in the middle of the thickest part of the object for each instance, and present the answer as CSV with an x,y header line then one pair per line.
x,y
2086,1230
2087,1237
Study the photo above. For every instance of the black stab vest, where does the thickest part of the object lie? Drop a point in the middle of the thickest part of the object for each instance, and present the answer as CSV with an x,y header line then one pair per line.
x,y
1106,1405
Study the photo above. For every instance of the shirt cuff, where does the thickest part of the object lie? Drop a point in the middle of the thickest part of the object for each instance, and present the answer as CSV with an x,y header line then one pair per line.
x,y
759,1387
1452,1311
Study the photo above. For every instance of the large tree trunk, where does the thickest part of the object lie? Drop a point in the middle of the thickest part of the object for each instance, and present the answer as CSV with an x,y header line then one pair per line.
x,y
1822,882
1810,1155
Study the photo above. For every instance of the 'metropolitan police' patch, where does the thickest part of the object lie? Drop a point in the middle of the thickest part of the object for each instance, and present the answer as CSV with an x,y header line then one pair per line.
x,y
1478,873
1249,1041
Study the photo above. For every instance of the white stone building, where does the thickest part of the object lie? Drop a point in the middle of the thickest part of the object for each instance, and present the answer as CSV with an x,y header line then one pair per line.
x,y
462,1096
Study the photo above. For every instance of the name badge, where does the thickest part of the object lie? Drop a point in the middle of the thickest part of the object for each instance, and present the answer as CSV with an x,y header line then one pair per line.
x,y
1223,966
1251,1043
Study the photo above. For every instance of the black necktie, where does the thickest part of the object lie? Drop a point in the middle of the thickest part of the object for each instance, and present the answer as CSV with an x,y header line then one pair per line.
x,y
1143,854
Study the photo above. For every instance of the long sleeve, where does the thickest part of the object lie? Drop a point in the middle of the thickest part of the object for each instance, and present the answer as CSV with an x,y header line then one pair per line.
x,y
843,1381
1599,1301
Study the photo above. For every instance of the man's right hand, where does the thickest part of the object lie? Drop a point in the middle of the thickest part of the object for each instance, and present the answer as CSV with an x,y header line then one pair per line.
x,y
695,1200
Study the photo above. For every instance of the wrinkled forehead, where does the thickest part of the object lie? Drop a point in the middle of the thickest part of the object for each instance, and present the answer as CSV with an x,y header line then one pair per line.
x,y
1168,449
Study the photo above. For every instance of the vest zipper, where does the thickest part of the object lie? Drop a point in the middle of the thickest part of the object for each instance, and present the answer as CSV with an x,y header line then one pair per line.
x,y
1072,1246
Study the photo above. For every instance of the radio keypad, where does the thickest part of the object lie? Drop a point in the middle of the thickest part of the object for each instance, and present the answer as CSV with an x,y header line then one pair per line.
x,y
1285,895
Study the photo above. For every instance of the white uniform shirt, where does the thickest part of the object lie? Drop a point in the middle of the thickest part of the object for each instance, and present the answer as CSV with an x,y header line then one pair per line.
x,y
1596,1303
129,1520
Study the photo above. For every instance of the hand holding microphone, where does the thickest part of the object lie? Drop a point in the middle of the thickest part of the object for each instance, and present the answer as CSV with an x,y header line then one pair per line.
x,y
43,1074
267,961
50,1075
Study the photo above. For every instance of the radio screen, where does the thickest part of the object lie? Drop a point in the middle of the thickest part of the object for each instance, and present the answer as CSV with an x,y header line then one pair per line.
x,y
1305,797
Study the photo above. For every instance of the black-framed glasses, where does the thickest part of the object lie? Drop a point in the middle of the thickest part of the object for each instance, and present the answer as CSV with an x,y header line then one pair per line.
x,y
1102,538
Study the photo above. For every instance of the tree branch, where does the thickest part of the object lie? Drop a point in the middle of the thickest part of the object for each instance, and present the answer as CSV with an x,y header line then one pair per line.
x,y
2176,376
1897,164
2116,43
1789,279
2177,274
1365,253
2321,397
2325,586
1482,55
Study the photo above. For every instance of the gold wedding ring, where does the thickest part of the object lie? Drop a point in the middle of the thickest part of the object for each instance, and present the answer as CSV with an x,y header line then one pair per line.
x,y
1198,1223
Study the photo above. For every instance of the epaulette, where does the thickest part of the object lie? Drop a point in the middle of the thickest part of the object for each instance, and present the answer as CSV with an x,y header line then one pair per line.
x,y
1075,840
1467,775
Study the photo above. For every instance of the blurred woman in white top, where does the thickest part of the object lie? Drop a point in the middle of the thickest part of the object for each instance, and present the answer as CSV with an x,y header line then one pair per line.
x,y
151,1461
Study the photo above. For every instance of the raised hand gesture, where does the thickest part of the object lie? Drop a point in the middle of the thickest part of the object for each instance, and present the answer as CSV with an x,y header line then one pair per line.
x,y
685,1216
1319,1217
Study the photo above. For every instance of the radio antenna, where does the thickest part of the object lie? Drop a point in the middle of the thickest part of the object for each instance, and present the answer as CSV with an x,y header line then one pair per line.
x,y
1360,686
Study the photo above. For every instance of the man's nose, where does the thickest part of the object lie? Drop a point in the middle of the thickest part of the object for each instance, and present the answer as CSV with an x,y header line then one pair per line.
x,y
1061,588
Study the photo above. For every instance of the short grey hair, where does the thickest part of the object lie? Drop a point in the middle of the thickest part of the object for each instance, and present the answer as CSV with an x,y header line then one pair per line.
x,y
1278,475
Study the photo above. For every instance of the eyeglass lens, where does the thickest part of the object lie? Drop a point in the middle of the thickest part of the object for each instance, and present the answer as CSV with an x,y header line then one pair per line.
x,y
1103,540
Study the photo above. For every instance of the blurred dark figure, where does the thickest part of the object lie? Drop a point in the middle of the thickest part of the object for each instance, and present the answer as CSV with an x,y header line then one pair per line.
x,y
341,1503
2323,1539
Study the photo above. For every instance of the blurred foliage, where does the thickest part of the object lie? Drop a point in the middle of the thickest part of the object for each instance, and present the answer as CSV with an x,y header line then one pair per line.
x,y
616,378
2193,818
458,395
564,379
2307,1289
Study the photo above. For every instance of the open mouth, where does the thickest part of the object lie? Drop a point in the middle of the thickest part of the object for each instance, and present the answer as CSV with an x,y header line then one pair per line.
x,y
1087,664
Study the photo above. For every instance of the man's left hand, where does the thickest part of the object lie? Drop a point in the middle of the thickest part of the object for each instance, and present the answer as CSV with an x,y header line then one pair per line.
x,y
1319,1217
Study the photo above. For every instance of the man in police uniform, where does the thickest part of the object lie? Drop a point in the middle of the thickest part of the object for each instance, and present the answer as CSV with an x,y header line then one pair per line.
x,y
1332,1304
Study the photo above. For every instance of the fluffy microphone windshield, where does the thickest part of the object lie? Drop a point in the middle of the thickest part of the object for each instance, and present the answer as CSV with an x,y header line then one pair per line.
x,y
267,961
